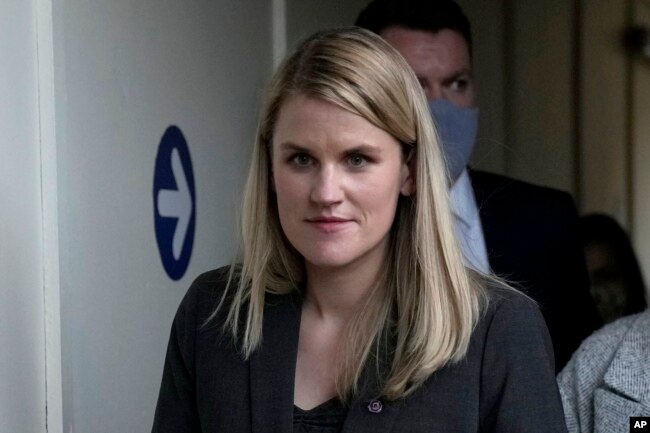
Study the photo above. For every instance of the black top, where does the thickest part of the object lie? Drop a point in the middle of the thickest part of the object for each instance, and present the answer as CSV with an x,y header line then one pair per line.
x,y
327,417
505,383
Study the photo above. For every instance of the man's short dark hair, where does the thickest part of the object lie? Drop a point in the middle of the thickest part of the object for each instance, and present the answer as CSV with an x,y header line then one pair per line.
x,y
431,15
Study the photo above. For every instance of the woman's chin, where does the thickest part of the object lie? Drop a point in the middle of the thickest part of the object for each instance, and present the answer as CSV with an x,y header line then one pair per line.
x,y
326,262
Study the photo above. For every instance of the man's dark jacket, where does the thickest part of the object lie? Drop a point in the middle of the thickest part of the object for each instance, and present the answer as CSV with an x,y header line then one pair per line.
x,y
532,241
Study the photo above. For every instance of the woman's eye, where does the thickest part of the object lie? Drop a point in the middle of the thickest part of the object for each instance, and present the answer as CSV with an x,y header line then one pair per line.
x,y
357,160
301,159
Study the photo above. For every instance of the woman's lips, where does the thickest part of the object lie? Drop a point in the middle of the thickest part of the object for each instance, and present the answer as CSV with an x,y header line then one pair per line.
x,y
329,224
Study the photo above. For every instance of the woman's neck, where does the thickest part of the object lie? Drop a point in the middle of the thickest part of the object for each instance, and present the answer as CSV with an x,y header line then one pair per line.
x,y
340,293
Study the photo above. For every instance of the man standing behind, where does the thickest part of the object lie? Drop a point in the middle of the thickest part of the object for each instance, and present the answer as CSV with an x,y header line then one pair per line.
x,y
523,232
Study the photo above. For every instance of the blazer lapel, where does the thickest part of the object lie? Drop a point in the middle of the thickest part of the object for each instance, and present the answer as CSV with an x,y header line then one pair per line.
x,y
613,411
629,372
368,412
273,364
272,376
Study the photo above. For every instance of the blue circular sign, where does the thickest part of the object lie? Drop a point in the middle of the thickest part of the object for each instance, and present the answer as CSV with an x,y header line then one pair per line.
x,y
174,199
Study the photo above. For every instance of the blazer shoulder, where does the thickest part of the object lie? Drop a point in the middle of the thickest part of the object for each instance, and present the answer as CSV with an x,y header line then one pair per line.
x,y
513,322
511,305
206,292
517,375
211,281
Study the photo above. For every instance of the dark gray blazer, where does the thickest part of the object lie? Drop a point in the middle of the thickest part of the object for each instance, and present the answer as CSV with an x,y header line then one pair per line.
x,y
506,382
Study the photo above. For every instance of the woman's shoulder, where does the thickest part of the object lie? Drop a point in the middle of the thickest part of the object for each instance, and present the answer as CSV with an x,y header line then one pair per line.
x,y
207,292
499,300
512,324
508,304
211,282
211,295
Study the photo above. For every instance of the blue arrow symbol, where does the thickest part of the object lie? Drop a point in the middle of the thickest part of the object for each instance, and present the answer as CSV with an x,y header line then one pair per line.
x,y
174,204
177,203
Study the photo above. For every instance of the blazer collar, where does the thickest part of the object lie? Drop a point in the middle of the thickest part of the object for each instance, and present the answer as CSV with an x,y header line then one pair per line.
x,y
629,371
272,376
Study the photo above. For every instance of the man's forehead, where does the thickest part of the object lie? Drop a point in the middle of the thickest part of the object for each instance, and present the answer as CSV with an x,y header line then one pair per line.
x,y
446,49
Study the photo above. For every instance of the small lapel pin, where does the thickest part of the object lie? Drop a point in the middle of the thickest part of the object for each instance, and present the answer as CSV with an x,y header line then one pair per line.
x,y
375,406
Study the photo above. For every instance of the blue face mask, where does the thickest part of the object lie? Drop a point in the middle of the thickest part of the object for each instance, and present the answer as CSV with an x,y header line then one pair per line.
x,y
457,130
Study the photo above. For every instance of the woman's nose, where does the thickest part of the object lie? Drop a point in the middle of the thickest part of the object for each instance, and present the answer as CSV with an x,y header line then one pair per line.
x,y
327,186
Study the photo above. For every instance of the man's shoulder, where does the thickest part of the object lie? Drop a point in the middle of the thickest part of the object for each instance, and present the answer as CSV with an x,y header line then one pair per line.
x,y
496,193
492,183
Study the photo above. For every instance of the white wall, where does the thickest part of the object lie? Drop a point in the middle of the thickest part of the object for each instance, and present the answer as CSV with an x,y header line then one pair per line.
x,y
125,72
22,339
88,89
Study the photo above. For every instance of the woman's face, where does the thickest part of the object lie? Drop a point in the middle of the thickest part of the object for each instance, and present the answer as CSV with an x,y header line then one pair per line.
x,y
337,178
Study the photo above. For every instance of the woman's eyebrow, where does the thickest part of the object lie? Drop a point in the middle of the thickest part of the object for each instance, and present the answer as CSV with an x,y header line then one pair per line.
x,y
290,146
363,148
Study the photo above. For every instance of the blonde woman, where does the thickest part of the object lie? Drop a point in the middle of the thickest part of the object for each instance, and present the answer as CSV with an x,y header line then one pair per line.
x,y
350,308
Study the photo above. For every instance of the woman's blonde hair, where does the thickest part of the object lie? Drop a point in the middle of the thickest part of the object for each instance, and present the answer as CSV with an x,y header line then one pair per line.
x,y
425,304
